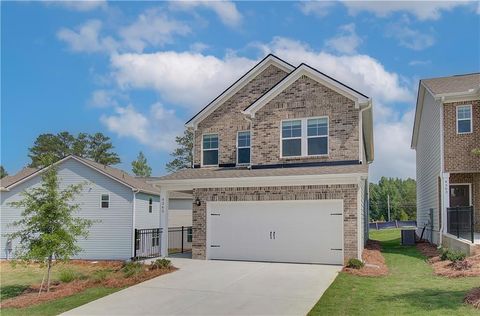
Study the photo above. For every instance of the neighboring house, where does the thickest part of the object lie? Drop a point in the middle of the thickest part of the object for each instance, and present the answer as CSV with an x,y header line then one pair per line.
x,y
446,130
280,169
117,201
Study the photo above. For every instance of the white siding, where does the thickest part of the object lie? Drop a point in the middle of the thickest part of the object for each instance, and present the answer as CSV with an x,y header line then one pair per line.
x,y
144,219
180,212
428,154
111,236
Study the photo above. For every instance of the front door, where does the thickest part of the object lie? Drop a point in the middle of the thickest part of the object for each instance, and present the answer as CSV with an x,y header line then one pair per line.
x,y
459,195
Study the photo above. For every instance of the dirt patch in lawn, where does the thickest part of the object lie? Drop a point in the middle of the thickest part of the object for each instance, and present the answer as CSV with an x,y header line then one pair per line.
x,y
473,297
373,259
465,268
115,279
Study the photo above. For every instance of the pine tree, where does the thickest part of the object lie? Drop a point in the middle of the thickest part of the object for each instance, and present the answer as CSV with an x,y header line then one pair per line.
x,y
183,154
140,166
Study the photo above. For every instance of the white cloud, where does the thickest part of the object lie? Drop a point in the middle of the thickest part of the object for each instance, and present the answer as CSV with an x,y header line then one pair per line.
x,y
187,79
199,47
226,10
409,37
86,38
317,8
392,134
151,28
346,41
80,5
423,10
362,72
105,98
156,129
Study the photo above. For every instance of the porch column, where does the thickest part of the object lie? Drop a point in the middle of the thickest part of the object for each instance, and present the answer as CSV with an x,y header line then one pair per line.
x,y
164,222
445,200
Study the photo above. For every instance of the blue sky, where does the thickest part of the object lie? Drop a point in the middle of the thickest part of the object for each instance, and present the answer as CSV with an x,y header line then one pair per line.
x,y
137,71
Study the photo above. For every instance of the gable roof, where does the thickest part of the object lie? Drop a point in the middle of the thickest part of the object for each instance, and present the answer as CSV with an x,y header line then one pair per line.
x,y
116,174
270,59
306,70
451,88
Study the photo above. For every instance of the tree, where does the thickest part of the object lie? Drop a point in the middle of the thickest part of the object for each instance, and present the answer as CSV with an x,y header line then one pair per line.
x,y
140,166
48,229
100,150
183,154
52,147
400,194
3,172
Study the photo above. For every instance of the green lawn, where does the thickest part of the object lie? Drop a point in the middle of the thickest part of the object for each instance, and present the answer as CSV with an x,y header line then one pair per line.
x,y
410,288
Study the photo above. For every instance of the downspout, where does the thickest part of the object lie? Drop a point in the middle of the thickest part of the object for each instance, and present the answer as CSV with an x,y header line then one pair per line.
x,y
135,191
441,212
362,143
249,120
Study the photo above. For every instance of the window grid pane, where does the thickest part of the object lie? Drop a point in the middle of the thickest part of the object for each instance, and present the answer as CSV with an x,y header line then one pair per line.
x,y
243,139
464,113
317,127
292,129
210,141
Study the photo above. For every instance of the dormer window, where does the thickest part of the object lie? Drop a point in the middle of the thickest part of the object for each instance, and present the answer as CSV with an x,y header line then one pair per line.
x,y
210,150
243,148
464,119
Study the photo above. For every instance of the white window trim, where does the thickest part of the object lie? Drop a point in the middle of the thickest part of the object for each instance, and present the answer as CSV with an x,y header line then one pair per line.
x,y
218,149
250,147
304,137
471,118
101,200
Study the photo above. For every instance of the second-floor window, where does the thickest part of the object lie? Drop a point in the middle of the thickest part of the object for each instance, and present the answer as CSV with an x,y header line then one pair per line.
x,y
150,205
105,201
305,137
464,119
243,148
210,150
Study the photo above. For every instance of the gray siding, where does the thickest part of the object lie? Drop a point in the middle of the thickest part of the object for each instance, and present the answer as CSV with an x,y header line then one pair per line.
x,y
111,236
144,219
180,212
428,154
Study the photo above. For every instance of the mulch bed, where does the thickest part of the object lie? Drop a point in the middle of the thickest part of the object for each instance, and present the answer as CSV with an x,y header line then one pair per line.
x,y
469,267
373,259
59,290
473,297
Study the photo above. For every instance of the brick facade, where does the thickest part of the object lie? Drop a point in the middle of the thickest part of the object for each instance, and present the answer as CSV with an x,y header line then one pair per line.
x,y
348,193
306,98
227,119
474,180
458,147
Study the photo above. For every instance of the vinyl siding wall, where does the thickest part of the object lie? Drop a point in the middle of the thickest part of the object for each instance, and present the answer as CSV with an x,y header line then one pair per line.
x,y
144,219
428,155
180,212
111,236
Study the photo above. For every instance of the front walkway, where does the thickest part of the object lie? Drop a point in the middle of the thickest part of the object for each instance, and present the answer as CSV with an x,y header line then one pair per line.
x,y
221,288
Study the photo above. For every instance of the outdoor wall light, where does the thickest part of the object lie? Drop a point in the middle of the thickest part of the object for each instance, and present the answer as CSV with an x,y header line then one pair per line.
x,y
198,202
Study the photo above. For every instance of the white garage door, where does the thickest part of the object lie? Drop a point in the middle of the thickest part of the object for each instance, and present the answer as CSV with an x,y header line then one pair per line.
x,y
281,231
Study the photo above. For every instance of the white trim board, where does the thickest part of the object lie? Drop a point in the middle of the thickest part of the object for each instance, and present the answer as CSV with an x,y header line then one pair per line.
x,y
304,70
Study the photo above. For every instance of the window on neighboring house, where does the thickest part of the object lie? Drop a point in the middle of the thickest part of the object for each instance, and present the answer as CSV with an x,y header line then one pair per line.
x,y
243,148
150,205
291,138
317,136
210,150
105,201
464,119
189,234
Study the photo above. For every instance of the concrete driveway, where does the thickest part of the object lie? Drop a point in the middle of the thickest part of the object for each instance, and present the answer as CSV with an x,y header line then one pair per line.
x,y
221,288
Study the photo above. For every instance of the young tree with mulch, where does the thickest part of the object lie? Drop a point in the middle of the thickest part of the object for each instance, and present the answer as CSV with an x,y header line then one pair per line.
x,y
48,229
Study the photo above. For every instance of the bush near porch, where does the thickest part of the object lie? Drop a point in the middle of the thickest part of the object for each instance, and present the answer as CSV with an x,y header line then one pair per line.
x,y
411,287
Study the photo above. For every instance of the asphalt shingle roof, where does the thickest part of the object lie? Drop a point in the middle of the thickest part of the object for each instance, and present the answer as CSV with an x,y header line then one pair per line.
x,y
453,84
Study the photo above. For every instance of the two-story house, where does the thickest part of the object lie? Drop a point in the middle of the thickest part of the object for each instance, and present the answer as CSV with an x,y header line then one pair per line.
x,y
445,134
280,169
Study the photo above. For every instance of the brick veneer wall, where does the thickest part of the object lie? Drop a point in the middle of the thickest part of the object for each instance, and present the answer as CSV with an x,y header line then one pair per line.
x,y
458,148
306,98
474,179
346,192
228,119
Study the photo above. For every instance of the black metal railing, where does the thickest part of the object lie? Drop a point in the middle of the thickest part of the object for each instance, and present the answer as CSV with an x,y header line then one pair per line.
x,y
180,239
460,222
147,243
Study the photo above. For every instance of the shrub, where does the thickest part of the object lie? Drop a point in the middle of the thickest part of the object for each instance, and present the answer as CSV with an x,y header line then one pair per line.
x,y
452,255
68,275
161,264
355,263
100,275
132,268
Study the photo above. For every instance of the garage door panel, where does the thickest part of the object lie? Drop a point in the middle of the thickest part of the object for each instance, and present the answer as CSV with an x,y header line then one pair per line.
x,y
284,231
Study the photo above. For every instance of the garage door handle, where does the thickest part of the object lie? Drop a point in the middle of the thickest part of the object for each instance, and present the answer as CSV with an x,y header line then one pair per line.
x,y
270,235
273,235
335,213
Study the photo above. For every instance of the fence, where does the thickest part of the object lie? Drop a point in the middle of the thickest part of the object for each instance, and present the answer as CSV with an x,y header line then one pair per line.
x,y
147,243
460,222
392,224
179,239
